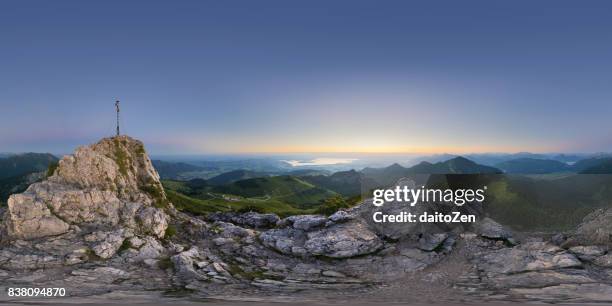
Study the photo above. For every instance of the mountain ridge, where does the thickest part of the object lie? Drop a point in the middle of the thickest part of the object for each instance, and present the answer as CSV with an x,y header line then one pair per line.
x,y
528,165
25,163
103,185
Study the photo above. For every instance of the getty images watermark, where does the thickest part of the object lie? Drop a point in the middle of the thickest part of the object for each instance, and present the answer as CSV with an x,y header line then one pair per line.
x,y
414,196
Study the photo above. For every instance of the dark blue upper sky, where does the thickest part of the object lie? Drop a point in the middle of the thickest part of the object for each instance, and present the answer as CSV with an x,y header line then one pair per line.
x,y
308,76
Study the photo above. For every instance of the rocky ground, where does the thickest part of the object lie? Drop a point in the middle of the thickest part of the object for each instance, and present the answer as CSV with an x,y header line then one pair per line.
x,y
102,228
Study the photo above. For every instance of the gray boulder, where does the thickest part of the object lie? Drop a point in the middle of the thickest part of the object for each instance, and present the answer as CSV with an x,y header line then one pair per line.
x,y
343,240
152,221
429,242
250,219
488,228
288,241
604,261
28,218
595,229
588,253
340,216
106,244
539,279
558,239
531,256
257,220
184,265
143,250
304,222
11,260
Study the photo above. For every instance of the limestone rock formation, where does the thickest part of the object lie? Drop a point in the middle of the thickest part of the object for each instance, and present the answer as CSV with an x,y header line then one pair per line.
x,y
595,229
534,256
312,235
343,241
304,222
106,244
249,219
488,228
99,186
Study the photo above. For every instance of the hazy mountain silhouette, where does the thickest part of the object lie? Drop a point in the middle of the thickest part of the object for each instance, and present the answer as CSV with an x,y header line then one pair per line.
x,y
533,166
234,176
172,170
354,182
597,166
21,164
457,165
592,165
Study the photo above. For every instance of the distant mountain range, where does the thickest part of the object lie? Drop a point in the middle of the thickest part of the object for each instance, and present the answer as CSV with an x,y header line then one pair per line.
x,y
523,162
206,169
457,165
310,187
533,166
493,159
26,163
18,171
594,165
348,182
234,176
17,184
599,166
175,170
354,182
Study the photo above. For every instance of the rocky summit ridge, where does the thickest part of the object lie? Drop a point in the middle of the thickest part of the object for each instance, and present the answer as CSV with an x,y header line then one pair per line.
x,y
109,184
102,223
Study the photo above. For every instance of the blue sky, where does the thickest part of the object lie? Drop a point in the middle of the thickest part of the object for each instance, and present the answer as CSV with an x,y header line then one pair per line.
x,y
310,76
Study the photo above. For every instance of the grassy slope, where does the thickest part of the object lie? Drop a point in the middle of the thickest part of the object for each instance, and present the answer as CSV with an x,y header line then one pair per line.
x,y
286,189
547,203
203,206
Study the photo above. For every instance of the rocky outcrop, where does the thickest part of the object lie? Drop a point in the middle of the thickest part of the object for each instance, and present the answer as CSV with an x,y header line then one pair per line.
x,y
533,256
394,231
588,253
304,222
343,241
534,268
250,219
28,218
104,185
288,241
311,235
430,242
103,203
118,164
490,229
106,244
152,221
595,229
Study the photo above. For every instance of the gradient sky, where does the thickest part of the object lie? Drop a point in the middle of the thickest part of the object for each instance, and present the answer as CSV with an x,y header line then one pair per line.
x,y
308,76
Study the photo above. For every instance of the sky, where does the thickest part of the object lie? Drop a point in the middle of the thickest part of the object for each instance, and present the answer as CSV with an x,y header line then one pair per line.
x,y
232,77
